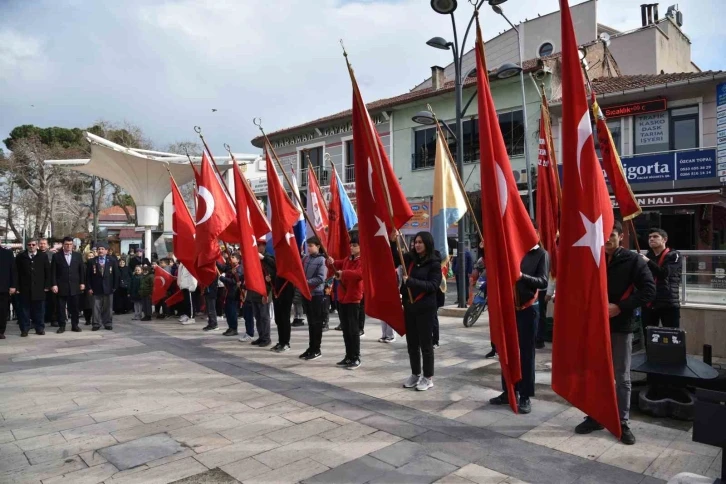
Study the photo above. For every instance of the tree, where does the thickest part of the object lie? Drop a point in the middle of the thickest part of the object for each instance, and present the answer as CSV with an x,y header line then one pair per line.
x,y
191,148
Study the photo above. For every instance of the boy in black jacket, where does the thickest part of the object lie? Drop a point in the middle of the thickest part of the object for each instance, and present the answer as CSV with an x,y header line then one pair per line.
x,y
666,266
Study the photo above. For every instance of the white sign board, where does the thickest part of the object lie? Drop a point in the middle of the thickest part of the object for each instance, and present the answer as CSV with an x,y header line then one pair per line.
x,y
651,132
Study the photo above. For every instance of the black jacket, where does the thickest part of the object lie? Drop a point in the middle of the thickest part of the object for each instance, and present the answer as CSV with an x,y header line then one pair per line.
x,y
135,261
424,280
268,269
8,271
231,277
33,276
667,277
534,268
124,277
626,269
68,278
102,284
213,288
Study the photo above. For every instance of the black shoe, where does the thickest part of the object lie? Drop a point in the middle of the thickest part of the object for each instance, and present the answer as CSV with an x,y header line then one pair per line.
x,y
160,316
147,318
109,327
24,334
54,325
436,346
95,328
588,426
298,322
304,356
361,333
525,406
264,344
276,348
40,333
344,362
210,328
539,344
87,323
256,342
230,332
283,349
500,400
326,327
61,330
491,354
353,364
313,355
76,329
627,436
338,328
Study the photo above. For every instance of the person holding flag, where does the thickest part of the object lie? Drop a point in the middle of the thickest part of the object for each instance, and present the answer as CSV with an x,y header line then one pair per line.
x,y
315,272
262,302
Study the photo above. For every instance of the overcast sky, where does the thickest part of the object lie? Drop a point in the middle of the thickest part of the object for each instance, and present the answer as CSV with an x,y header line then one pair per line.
x,y
164,65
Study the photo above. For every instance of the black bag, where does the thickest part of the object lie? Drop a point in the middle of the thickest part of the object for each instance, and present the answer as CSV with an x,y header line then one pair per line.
x,y
440,298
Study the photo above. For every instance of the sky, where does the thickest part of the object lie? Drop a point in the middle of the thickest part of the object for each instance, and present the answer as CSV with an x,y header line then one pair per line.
x,y
165,64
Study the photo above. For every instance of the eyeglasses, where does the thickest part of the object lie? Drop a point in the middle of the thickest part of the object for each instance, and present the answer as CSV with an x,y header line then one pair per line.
x,y
32,245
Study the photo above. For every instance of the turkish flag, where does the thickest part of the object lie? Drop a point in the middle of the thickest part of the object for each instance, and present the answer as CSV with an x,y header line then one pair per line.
x,y
284,215
548,189
507,228
175,298
162,283
183,231
254,277
582,368
382,206
338,236
214,213
317,211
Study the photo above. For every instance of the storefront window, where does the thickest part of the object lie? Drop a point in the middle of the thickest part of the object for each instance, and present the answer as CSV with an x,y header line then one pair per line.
x,y
676,129
684,128
424,152
316,159
349,160
512,126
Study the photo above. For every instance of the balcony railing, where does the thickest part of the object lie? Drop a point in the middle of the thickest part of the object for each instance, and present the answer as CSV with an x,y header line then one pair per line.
x,y
322,175
349,174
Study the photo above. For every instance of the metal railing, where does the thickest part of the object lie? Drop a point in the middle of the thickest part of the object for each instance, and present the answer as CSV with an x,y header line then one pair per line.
x,y
349,174
322,175
703,277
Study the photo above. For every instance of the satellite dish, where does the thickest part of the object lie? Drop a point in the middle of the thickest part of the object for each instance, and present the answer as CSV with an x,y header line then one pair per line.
x,y
605,39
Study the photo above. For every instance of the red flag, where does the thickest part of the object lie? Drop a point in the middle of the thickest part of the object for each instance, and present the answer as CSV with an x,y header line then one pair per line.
x,y
284,215
258,220
175,298
582,368
162,283
254,278
382,206
317,211
548,189
214,213
508,230
627,203
183,231
338,237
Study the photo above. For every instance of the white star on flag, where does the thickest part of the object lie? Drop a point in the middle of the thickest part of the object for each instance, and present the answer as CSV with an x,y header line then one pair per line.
x,y
288,236
382,232
593,238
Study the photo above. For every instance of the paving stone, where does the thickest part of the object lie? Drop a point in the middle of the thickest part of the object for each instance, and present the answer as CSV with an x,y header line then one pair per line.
x,y
214,476
39,472
101,428
393,425
453,479
291,473
162,474
140,451
146,430
6,436
91,475
92,458
600,473
423,470
67,449
345,433
481,475
450,449
304,415
50,427
400,453
308,397
347,451
673,461
237,451
357,471
41,441
261,427
345,410
302,431
245,469
295,451
528,470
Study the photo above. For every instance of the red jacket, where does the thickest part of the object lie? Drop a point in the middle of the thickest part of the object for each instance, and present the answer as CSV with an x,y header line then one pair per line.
x,y
350,285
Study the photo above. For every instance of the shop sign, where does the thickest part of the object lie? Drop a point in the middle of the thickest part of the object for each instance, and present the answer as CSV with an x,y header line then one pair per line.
x,y
719,279
643,107
421,219
695,164
651,130
679,199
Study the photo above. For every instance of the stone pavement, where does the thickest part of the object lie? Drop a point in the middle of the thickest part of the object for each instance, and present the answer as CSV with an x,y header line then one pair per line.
x,y
160,402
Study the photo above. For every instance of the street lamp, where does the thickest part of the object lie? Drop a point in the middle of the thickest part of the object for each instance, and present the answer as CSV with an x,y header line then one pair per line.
x,y
511,70
426,118
447,7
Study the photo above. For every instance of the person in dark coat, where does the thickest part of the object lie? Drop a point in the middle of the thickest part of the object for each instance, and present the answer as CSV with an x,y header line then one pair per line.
x,y
68,279
138,260
146,289
121,297
33,282
315,274
419,296
262,303
8,285
630,286
103,279
232,280
50,313
210,299
666,266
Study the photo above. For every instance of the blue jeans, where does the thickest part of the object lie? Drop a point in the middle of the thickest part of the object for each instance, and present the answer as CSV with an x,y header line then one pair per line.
x,y
31,311
230,312
249,315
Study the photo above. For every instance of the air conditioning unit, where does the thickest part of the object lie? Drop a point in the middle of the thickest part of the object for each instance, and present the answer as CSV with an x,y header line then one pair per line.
x,y
520,176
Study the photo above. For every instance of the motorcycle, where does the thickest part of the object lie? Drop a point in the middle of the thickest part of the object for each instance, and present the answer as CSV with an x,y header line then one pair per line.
x,y
479,304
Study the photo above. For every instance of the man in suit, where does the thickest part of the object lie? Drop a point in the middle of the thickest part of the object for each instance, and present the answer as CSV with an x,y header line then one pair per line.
x,y
8,284
138,260
68,278
33,282
102,277
51,300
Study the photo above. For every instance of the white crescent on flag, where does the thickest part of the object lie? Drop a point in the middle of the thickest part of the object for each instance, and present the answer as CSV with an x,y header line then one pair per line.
x,y
502,189
208,202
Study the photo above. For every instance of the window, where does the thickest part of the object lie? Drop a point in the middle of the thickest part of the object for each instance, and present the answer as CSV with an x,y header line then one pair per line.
x,y
684,128
676,129
512,126
545,49
316,160
349,160
614,127
424,153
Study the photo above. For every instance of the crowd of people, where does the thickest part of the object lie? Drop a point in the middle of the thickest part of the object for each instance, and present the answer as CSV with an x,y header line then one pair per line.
x,y
41,286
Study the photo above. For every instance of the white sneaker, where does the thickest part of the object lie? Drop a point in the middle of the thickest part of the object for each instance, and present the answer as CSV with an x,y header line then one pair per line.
x,y
424,384
391,339
245,338
184,318
188,321
411,381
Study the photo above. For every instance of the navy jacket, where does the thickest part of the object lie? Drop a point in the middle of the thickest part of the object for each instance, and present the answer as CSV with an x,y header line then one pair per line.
x,y
68,278
106,282
8,271
33,276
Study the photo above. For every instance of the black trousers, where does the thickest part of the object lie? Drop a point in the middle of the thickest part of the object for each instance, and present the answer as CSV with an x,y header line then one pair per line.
x,y
186,304
283,309
121,300
51,307
527,320
542,323
71,303
362,315
419,332
314,311
4,310
435,332
349,313
669,317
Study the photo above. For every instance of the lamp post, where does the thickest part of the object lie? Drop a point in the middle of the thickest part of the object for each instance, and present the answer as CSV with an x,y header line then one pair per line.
x,y
512,70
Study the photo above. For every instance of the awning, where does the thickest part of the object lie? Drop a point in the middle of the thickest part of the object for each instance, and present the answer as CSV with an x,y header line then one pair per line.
x,y
682,198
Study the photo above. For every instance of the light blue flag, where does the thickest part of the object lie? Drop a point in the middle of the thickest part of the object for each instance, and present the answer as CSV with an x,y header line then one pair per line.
x,y
299,228
449,203
349,214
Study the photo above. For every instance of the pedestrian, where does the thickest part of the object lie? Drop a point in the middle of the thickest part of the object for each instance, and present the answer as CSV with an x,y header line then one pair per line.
x,y
630,286
138,260
315,273
666,266
284,292
468,268
187,284
362,317
68,279
262,304
33,269
210,300
298,309
8,285
50,314
146,289
160,309
533,278
349,275
232,280
136,298
121,297
418,291
102,276
87,297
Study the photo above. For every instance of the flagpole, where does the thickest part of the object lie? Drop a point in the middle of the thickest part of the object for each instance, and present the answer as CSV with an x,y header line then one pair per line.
x,y
245,181
310,168
551,154
198,130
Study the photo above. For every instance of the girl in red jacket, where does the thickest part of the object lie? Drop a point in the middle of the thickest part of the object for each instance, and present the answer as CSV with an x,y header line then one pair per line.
x,y
349,274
